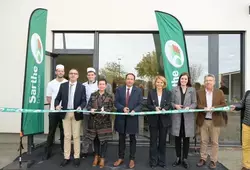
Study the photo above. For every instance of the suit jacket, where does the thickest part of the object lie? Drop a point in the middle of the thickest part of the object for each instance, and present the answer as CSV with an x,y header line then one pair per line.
x,y
79,98
152,102
218,118
189,118
127,124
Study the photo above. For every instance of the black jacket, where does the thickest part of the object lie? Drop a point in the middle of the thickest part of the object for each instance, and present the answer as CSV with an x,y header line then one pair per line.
x,y
152,102
79,98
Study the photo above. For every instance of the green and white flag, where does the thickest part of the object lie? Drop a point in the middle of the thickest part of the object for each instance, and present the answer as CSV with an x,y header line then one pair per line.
x,y
33,93
173,47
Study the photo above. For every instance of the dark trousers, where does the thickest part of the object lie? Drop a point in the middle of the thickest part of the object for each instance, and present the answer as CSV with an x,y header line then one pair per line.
x,y
86,142
178,141
100,148
54,121
157,152
185,148
122,146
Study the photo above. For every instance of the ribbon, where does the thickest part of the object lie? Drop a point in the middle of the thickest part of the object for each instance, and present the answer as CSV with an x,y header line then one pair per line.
x,y
219,109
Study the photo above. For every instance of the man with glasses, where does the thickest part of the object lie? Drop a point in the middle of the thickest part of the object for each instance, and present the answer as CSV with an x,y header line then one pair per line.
x,y
54,118
210,122
72,94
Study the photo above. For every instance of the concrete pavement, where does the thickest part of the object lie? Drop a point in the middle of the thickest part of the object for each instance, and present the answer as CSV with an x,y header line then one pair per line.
x,y
230,157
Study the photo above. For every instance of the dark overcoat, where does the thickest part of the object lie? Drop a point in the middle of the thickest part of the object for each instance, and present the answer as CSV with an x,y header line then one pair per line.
x,y
127,123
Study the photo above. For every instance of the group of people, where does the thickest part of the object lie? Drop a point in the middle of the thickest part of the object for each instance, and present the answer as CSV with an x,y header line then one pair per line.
x,y
94,97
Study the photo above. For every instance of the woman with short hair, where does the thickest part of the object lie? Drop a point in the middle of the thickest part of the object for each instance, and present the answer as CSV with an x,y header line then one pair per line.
x,y
159,99
99,125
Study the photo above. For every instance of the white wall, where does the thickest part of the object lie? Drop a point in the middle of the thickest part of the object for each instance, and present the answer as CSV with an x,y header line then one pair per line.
x,y
14,17
100,15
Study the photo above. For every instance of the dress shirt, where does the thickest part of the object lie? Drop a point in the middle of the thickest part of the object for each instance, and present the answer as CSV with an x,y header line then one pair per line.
x,y
209,98
159,101
71,95
130,90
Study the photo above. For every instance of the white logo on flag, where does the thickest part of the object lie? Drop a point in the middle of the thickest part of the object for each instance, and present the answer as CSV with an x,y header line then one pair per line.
x,y
174,53
37,48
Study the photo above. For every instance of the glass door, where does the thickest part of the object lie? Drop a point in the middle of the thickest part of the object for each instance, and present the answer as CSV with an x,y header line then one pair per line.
x,y
77,61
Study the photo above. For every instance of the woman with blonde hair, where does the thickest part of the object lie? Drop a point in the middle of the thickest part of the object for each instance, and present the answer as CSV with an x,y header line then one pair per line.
x,y
159,99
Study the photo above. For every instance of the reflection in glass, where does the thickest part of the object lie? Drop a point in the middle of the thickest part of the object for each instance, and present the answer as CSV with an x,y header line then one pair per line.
x,y
197,48
224,83
79,40
230,82
80,62
120,54
140,54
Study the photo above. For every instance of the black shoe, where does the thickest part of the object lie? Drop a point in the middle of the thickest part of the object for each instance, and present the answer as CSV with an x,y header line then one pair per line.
x,y
152,166
62,151
164,167
65,162
83,155
185,163
46,156
177,162
77,162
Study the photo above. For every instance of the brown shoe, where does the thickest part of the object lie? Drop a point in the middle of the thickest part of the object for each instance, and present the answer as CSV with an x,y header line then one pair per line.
x,y
102,162
96,159
131,164
201,163
118,162
212,165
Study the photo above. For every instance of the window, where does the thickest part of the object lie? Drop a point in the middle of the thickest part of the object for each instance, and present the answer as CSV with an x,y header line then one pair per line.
x,y
230,82
197,48
120,54
58,41
79,41
140,53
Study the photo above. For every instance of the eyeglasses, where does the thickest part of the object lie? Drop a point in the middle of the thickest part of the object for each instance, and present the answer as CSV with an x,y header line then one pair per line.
x,y
209,80
74,73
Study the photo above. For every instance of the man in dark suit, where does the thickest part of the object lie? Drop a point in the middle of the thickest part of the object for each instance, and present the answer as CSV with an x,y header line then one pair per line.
x,y
128,99
72,94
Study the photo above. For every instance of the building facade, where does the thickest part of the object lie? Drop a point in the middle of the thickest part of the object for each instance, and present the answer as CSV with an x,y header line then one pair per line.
x,y
114,37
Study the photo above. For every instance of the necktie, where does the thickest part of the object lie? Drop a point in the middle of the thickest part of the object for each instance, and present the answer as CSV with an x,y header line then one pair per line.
x,y
127,97
70,105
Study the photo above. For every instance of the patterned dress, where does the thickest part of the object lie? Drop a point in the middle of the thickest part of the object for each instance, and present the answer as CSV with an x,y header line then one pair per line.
x,y
100,124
